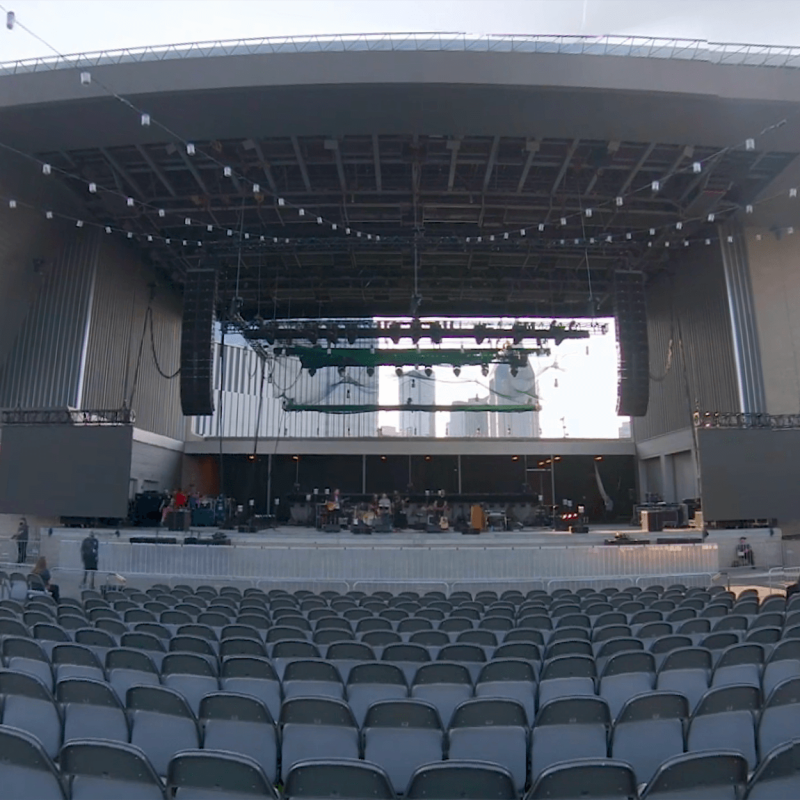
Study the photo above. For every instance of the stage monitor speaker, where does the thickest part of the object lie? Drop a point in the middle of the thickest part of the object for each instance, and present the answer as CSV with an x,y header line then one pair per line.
x,y
630,312
197,335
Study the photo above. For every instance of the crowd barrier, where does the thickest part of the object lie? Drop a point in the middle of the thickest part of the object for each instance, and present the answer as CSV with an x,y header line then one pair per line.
x,y
360,566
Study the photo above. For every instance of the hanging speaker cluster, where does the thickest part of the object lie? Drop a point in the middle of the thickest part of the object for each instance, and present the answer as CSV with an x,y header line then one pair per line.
x,y
630,311
197,335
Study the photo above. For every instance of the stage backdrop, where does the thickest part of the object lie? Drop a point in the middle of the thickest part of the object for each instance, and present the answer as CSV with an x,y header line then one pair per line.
x,y
65,470
750,474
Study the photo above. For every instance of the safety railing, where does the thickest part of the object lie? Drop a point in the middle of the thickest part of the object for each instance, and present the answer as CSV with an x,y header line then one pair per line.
x,y
780,577
628,46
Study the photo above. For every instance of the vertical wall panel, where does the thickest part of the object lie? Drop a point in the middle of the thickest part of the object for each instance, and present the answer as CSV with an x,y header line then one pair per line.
x,y
121,298
688,314
42,369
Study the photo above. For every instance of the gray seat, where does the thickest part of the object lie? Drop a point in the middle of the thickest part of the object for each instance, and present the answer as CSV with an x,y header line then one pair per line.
x,y
513,679
567,676
216,775
740,664
444,685
777,777
687,672
126,668
491,730
780,716
161,724
190,674
101,770
253,676
597,779
373,681
332,778
401,736
241,724
76,661
29,706
471,780
25,655
719,775
346,655
308,678
25,768
569,728
409,657
784,663
92,710
316,727
624,676
725,719
649,730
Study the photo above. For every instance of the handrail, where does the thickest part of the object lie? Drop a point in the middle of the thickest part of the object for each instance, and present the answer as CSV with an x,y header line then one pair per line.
x,y
608,45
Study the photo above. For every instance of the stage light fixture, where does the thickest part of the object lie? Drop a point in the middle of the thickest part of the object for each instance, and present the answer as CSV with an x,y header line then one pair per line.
x,y
399,372
295,458
371,371
514,372
383,458
312,372
428,372
598,458
515,458
456,371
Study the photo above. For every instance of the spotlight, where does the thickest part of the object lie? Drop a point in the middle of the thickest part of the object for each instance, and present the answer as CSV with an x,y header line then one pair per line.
x,y
370,371
341,370
251,457
427,458
515,458
456,371
484,370
598,458
428,372
295,458
383,458
399,372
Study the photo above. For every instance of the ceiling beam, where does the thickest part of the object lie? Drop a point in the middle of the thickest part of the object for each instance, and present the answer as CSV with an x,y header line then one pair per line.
x,y
123,173
376,158
273,187
453,145
193,170
333,144
157,171
565,166
532,146
301,162
637,168
490,163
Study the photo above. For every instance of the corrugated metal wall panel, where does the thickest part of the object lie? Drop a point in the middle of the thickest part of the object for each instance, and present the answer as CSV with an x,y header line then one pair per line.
x,y
120,301
240,399
689,304
43,368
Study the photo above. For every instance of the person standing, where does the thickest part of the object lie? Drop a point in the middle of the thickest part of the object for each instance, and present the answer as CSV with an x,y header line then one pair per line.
x,y
22,541
90,548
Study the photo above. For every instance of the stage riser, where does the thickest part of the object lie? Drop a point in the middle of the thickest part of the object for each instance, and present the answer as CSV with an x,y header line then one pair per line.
x,y
357,564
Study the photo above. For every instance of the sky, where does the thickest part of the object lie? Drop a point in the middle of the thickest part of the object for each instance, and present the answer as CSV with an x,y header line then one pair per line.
x,y
582,402
85,25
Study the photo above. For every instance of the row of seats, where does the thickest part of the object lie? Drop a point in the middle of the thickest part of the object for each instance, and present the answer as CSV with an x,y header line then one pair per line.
x,y
382,723
92,770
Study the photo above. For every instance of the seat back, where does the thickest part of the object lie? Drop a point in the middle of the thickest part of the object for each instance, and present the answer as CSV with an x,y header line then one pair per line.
x,y
218,774
338,778
471,780
588,778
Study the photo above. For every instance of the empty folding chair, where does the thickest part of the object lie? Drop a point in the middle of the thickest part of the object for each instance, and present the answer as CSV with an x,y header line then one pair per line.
x,y
27,704
624,676
312,679
567,676
491,730
687,672
162,724
26,770
216,775
253,676
191,675
401,736
603,779
27,656
777,777
126,668
648,730
569,728
471,780
443,685
241,724
91,710
316,727
780,716
740,664
725,719
370,682
719,775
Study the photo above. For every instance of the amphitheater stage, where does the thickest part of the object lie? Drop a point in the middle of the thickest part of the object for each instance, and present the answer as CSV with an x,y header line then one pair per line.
x,y
302,558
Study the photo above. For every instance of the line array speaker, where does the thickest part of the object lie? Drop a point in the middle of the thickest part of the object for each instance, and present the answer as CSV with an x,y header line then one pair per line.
x,y
630,312
197,334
